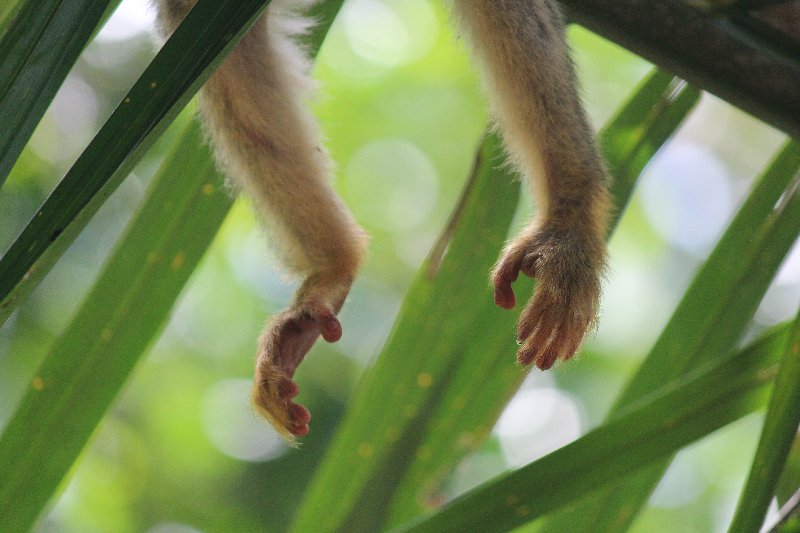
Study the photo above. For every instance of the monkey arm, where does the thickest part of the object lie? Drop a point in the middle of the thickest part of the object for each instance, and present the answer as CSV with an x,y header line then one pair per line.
x,y
269,145
521,48
266,141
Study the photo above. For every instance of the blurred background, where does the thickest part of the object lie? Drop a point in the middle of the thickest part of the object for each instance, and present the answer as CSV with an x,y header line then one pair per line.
x,y
402,108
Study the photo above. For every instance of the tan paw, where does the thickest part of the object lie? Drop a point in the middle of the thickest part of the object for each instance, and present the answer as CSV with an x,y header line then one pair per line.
x,y
568,269
283,345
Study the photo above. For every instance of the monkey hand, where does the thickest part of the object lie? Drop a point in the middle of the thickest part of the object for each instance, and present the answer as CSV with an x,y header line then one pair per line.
x,y
567,264
283,345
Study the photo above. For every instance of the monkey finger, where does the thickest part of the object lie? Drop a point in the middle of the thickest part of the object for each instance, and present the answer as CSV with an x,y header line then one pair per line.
x,y
288,389
319,316
504,296
300,415
300,430
503,293
528,324
331,328
504,274
546,360
537,328
299,419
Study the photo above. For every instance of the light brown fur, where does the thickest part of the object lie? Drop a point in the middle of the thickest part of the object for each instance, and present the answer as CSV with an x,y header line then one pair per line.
x,y
267,142
520,44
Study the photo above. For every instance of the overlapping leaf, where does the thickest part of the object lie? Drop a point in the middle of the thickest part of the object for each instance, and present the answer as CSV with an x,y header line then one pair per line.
x,y
648,430
91,360
777,436
442,380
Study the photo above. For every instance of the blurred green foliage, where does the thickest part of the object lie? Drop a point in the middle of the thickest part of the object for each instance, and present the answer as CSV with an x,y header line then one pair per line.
x,y
403,112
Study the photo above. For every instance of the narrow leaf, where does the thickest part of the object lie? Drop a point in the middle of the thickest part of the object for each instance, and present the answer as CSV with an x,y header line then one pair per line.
x,y
440,318
789,483
7,12
36,52
479,378
632,138
91,360
780,429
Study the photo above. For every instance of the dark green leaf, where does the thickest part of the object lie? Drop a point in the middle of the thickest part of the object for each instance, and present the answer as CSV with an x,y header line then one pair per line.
x,y
487,380
93,358
210,30
40,46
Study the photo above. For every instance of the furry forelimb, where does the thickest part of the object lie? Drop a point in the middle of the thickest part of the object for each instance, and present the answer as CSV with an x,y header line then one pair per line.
x,y
267,142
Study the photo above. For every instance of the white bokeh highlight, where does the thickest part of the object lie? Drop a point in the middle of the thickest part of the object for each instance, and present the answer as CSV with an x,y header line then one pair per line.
x,y
537,422
687,197
232,427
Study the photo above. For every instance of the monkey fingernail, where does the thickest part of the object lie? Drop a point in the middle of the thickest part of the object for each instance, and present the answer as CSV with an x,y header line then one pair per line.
x,y
300,415
300,430
331,329
546,361
288,389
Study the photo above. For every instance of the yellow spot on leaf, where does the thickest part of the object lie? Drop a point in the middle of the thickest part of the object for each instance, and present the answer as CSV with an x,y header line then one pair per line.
x,y
178,261
153,85
37,383
459,403
410,412
208,189
127,100
106,335
522,510
465,441
424,380
365,450
153,258
424,453
392,434
512,500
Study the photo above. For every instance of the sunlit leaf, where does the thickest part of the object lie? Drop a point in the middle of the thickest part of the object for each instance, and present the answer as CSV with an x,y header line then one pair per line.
x,y
440,317
91,360
790,479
